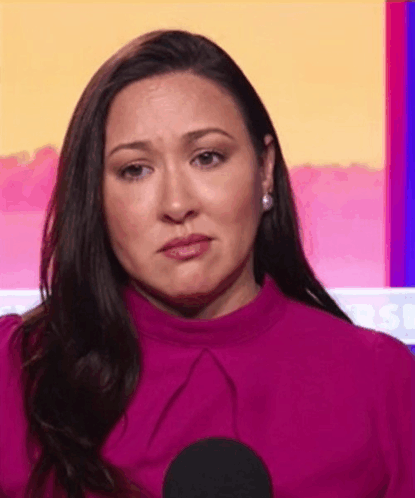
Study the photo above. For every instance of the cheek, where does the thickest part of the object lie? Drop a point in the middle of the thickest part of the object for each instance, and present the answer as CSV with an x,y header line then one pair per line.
x,y
239,210
122,218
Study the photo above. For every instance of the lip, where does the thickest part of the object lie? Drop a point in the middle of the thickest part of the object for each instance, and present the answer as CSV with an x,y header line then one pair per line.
x,y
186,241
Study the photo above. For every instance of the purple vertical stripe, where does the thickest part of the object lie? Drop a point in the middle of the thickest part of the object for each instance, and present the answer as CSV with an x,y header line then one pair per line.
x,y
396,58
410,149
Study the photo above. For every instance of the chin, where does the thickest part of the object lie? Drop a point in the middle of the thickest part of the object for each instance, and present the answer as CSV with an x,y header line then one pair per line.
x,y
191,286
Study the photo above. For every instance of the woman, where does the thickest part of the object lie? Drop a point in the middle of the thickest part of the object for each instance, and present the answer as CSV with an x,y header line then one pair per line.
x,y
142,346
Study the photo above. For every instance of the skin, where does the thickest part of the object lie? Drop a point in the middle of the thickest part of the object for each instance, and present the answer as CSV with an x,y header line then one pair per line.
x,y
174,189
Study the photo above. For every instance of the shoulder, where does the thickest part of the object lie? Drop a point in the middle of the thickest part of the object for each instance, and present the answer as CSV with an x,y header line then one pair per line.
x,y
9,345
372,359
395,364
324,329
8,325
12,414
9,321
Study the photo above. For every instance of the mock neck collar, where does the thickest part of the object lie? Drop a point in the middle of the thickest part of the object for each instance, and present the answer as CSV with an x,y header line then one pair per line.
x,y
242,324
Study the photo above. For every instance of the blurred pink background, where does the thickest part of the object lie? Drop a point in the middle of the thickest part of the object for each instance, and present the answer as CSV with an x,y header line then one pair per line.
x,y
342,217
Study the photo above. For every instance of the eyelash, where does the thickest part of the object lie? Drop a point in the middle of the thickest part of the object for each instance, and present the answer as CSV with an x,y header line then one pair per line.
x,y
123,172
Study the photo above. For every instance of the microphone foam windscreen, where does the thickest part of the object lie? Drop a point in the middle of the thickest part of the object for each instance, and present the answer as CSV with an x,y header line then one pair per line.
x,y
217,468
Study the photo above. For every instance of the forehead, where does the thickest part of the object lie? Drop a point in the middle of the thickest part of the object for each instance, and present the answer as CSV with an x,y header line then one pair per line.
x,y
171,105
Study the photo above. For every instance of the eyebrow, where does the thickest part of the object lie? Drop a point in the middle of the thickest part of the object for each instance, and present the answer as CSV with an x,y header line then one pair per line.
x,y
188,137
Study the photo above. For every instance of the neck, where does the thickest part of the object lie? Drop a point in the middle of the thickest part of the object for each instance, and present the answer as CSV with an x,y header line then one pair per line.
x,y
225,299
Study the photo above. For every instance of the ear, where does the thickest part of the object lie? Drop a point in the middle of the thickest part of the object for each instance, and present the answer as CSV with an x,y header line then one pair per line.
x,y
267,166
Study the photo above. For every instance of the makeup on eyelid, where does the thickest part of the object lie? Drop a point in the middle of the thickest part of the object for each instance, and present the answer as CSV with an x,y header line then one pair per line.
x,y
135,166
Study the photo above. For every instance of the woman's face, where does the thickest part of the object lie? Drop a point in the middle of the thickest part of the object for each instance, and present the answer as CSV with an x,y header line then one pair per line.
x,y
167,177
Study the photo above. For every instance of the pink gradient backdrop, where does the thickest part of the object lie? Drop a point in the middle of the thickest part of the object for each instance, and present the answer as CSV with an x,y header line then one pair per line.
x,y
342,217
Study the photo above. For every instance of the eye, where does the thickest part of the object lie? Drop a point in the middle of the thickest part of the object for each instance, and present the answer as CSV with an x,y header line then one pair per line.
x,y
207,156
134,170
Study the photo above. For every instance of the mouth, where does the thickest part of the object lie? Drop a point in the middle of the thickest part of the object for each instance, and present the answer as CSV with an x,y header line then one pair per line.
x,y
189,251
185,241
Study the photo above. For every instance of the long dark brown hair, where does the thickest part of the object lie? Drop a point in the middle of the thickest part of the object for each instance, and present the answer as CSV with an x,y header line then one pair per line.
x,y
79,349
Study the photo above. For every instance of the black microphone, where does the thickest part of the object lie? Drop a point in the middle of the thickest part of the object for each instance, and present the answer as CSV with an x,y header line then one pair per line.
x,y
217,468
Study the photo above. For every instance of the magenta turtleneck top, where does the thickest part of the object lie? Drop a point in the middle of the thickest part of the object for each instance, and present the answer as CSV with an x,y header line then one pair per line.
x,y
329,406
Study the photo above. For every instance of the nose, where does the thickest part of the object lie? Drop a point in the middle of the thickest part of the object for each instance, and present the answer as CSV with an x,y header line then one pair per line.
x,y
179,201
